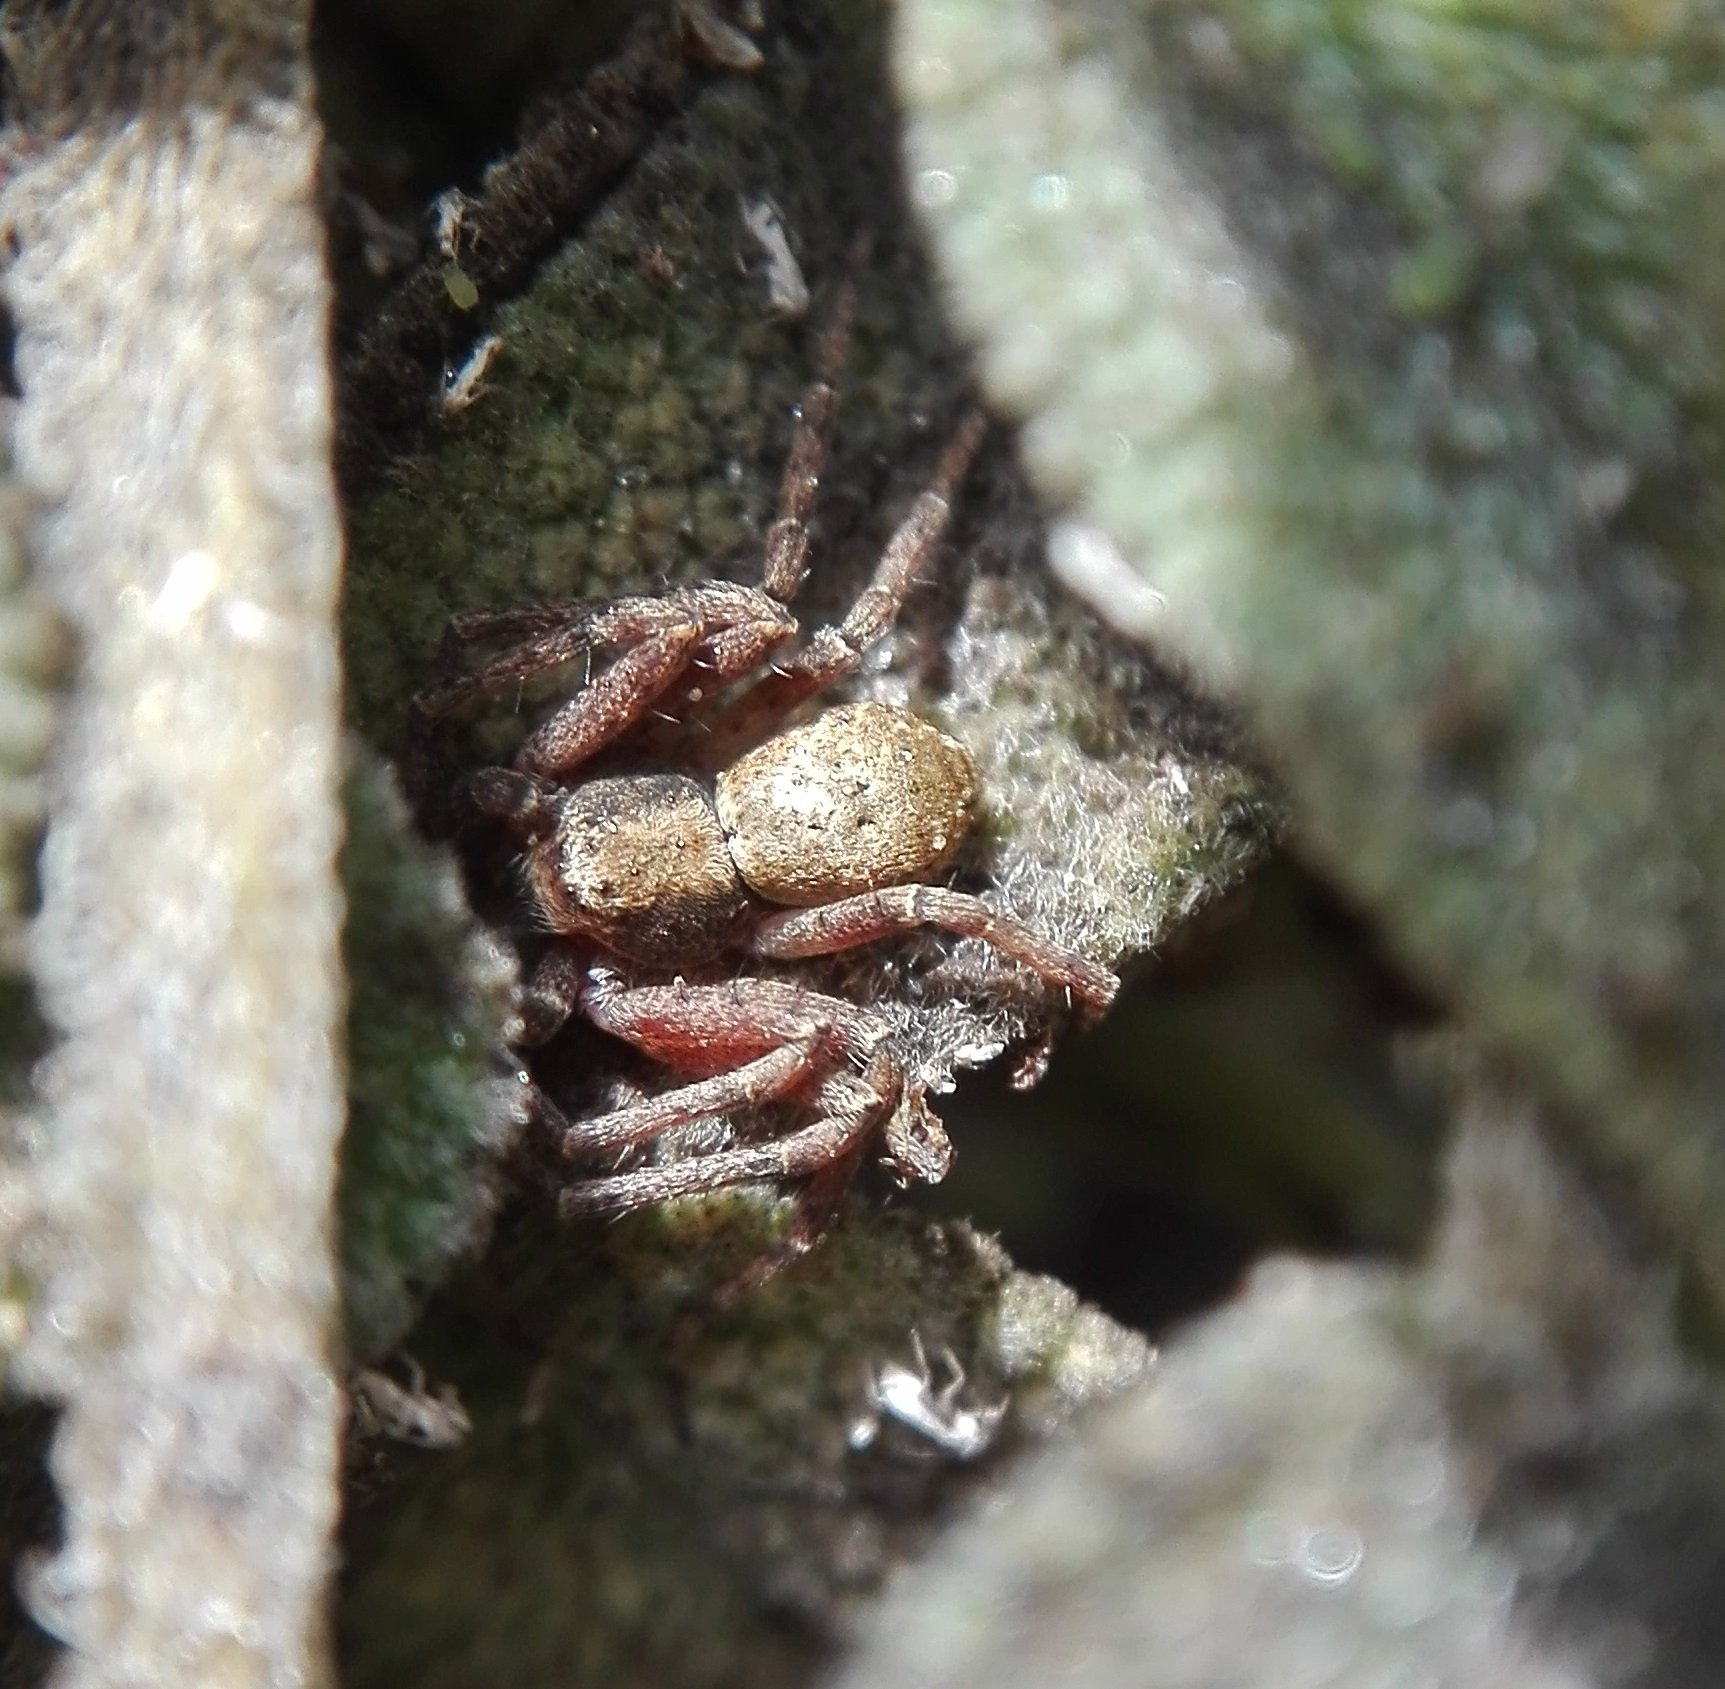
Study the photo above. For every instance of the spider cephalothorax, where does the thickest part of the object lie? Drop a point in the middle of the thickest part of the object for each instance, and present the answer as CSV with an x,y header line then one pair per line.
x,y
782,844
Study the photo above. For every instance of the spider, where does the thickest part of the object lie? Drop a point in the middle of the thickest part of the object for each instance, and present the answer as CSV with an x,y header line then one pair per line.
x,y
805,841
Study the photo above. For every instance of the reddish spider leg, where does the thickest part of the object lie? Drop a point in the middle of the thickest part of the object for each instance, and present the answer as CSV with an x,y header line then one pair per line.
x,y
853,921
727,627
767,1040
848,1111
823,1155
787,547
849,1108
758,1040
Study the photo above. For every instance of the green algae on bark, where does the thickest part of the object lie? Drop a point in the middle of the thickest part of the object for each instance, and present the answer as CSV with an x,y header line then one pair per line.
x,y
1384,342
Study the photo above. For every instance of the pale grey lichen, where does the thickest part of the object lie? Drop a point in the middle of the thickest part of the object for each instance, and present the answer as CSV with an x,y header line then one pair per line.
x,y
1384,342
1059,1351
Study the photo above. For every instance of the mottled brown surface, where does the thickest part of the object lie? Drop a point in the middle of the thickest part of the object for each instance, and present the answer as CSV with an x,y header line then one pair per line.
x,y
640,866
862,796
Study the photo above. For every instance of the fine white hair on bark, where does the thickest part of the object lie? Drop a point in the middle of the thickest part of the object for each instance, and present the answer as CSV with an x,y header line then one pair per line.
x,y
171,306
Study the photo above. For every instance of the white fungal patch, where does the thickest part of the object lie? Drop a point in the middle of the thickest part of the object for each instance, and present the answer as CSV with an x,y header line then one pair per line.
x,y
787,290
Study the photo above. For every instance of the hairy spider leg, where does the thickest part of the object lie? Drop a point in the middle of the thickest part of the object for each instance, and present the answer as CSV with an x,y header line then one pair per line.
x,y
851,1108
853,921
831,653
542,636
706,1029
552,993
719,625
787,545
779,1073
761,1040
515,622
608,706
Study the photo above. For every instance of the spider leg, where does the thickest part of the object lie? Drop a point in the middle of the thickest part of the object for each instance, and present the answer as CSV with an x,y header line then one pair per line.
x,y
550,997
855,1109
516,622
757,1039
725,630
733,652
834,652
544,636
718,626
787,545
860,920
917,1148
804,1037
777,1074
607,707
708,1028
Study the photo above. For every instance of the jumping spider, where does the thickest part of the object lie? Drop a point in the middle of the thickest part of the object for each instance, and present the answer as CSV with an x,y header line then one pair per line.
x,y
800,842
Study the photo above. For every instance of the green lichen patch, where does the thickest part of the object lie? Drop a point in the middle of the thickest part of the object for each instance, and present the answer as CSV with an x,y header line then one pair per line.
x,y
654,1492
428,1102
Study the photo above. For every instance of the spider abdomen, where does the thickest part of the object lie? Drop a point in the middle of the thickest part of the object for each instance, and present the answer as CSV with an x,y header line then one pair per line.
x,y
861,796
